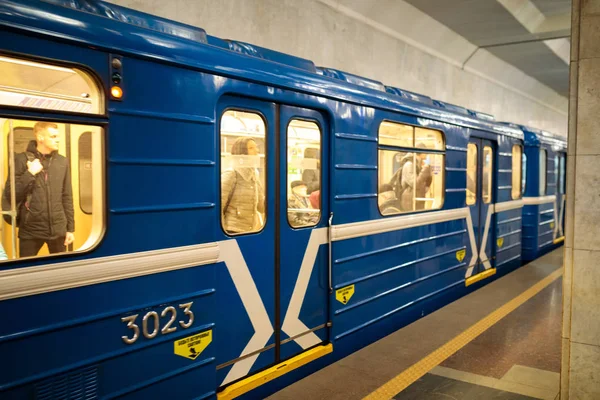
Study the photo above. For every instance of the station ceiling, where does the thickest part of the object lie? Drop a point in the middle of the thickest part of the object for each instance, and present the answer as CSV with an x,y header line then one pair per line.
x,y
531,35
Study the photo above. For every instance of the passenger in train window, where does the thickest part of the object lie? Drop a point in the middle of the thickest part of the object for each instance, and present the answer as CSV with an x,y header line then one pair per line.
x,y
43,188
242,195
412,180
299,209
387,201
311,176
315,199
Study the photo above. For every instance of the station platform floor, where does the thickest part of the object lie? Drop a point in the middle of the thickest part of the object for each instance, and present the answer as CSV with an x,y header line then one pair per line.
x,y
502,341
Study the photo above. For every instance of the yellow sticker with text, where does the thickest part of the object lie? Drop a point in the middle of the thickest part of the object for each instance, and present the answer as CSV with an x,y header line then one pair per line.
x,y
344,294
191,346
460,255
500,242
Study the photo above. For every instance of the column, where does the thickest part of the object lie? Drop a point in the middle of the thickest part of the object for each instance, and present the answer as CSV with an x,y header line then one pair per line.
x,y
580,371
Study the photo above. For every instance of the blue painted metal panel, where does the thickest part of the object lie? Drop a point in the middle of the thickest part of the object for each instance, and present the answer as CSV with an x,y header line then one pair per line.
x,y
294,242
394,271
538,220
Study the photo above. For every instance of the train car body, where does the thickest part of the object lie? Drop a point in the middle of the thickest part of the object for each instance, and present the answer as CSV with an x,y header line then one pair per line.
x,y
544,208
164,292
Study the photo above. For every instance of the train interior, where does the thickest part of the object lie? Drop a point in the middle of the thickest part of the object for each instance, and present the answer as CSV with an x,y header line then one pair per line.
x,y
38,85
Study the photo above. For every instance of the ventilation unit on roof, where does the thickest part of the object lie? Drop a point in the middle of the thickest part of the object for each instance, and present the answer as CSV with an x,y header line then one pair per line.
x,y
405,94
351,78
133,17
261,52
451,107
482,115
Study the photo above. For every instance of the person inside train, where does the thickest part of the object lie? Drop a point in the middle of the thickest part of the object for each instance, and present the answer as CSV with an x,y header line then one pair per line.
x,y
242,195
315,199
311,176
386,198
412,181
43,191
299,207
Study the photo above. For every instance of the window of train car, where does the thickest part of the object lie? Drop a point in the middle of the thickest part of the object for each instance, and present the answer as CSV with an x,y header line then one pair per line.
x,y
32,84
471,174
42,187
543,171
524,178
486,189
410,168
563,179
42,190
517,164
556,176
304,173
243,180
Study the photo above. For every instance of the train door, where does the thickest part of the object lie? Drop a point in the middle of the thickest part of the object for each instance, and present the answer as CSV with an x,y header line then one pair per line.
x,y
303,233
275,284
480,177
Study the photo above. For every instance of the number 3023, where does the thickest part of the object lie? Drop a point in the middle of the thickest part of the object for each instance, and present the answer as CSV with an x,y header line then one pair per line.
x,y
152,318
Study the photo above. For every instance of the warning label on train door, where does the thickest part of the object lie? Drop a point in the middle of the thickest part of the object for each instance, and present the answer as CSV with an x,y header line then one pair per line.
x,y
344,294
460,255
192,346
500,242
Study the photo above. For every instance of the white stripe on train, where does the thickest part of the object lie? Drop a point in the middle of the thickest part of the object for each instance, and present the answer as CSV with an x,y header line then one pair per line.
x,y
28,281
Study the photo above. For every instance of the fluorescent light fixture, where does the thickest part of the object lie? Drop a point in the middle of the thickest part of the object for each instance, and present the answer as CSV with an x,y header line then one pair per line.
x,y
34,64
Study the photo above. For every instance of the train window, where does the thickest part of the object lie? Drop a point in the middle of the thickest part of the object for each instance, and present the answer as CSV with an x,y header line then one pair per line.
x,y
486,189
563,186
524,178
42,186
304,173
26,83
543,171
556,176
517,164
84,170
392,134
428,139
242,172
471,174
410,179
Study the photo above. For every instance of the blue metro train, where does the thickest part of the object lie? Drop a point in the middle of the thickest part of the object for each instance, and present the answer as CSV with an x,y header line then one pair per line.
x,y
240,217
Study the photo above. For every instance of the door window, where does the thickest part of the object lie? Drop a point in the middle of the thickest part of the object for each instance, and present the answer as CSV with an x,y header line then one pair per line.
x,y
303,174
486,192
471,174
543,171
242,172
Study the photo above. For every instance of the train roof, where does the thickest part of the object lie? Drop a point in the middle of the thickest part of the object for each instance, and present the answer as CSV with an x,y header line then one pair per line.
x,y
535,137
110,26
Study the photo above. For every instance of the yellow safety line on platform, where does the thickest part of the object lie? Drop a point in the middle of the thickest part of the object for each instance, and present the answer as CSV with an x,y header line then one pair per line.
x,y
410,375
479,277
559,240
254,381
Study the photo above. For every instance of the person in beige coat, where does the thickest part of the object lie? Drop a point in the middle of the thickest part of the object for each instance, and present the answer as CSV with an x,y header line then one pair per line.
x,y
242,195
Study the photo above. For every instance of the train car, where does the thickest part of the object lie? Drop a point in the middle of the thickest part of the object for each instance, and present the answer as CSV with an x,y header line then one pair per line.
x,y
545,191
240,217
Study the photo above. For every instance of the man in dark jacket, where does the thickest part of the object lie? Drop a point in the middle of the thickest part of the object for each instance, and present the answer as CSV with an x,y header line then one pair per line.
x,y
48,216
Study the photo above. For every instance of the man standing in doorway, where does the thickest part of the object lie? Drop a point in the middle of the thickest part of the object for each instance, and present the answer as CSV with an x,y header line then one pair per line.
x,y
43,188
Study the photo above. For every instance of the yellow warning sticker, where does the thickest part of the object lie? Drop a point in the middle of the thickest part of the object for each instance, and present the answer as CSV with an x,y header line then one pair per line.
x,y
552,225
191,346
500,242
344,294
460,255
